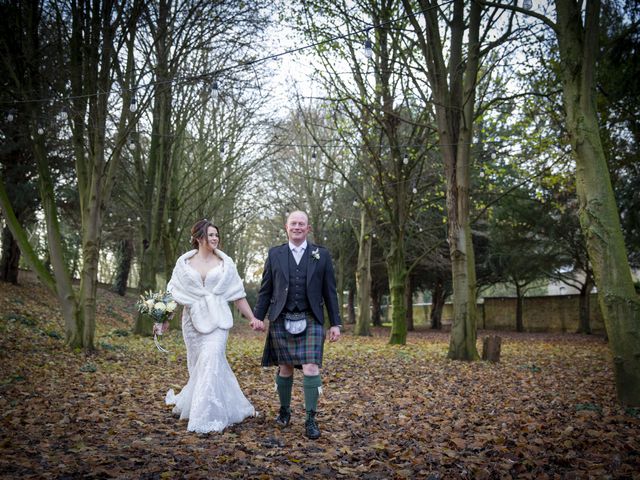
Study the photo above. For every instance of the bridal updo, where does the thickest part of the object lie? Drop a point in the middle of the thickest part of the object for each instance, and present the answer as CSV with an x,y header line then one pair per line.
x,y
199,231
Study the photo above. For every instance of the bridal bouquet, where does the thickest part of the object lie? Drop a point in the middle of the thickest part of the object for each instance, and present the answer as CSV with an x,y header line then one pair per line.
x,y
160,306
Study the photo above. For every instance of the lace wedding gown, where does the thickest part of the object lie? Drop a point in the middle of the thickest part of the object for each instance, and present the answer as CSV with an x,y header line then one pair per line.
x,y
211,399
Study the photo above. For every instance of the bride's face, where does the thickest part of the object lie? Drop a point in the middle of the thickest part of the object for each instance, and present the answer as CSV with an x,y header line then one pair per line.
x,y
212,239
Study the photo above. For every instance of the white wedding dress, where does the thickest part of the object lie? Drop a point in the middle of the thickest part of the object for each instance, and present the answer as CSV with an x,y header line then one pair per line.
x,y
212,398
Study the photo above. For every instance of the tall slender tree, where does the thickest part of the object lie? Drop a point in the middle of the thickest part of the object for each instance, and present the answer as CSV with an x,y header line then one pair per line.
x,y
453,84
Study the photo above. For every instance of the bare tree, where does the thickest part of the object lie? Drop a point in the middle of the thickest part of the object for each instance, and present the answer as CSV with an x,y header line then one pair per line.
x,y
372,106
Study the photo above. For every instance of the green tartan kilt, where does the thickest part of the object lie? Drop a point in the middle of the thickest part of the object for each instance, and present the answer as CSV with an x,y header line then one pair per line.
x,y
282,348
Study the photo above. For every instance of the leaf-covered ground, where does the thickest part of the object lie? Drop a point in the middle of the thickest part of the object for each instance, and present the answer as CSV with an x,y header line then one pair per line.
x,y
546,410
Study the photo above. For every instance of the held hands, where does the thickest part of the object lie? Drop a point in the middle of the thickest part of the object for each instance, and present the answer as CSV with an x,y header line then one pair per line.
x,y
247,313
334,334
257,324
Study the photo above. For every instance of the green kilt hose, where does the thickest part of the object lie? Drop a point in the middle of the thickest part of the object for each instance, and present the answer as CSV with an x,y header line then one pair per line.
x,y
283,348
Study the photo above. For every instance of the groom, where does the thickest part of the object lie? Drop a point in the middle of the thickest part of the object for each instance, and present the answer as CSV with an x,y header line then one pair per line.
x,y
297,282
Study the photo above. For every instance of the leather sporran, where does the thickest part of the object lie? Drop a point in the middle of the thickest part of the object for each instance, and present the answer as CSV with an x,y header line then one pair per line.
x,y
295,323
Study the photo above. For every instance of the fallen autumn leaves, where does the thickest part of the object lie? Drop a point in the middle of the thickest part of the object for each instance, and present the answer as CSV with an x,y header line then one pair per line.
x,y
547,410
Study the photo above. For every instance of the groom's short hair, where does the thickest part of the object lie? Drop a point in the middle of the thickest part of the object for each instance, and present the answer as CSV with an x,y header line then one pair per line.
x,y
306,215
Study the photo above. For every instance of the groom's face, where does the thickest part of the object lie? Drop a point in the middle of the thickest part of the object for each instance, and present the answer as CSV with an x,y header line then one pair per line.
x,y
297,227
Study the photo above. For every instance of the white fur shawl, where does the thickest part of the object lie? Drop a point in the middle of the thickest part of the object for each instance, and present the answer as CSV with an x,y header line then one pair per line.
x,y
208,306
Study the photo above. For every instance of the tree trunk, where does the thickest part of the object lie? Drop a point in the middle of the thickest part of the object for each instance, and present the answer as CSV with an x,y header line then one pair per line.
x,y
340,284
408,302
363,277
147,280
376,308
89,276
453,84
95,178
10,257
351,306
397,271
462,345
519,307
123,267
20,236
15,163
62,284
340,280
157,183
74,261
585,306
598,212
73,316
144,323
437,304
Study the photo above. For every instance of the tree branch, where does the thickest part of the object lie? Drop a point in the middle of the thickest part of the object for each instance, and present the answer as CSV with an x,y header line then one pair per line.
x,y
547,21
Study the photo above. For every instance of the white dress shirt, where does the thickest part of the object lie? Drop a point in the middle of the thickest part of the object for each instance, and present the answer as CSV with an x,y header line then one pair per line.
x,y
298,251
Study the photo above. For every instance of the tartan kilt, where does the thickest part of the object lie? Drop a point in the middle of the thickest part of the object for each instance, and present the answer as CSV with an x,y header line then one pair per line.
x,y
283,348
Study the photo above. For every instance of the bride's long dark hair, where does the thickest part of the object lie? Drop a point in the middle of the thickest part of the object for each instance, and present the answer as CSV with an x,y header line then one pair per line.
x,y
199,230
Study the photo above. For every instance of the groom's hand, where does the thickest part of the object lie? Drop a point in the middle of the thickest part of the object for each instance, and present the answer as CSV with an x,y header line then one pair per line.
x,y
334,334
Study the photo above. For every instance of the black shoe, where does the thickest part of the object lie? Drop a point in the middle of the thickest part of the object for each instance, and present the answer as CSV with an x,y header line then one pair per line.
x,y
284,416
311,427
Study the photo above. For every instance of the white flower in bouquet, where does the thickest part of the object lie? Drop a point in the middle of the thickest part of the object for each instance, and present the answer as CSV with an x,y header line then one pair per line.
x,y
156,304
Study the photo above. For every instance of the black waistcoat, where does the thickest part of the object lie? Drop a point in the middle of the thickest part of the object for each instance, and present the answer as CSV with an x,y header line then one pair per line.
x,y
297,293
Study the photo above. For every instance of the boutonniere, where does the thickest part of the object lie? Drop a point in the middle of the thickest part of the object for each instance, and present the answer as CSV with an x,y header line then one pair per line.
x,y
316,254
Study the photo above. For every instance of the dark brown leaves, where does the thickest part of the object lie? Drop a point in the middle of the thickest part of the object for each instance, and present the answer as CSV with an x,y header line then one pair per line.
x,y
546,410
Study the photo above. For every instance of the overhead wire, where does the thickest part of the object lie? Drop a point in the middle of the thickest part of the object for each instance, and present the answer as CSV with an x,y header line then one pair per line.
x,y
212,75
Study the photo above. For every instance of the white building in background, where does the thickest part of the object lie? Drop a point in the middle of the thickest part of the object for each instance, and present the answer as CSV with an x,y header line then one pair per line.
x,y
560,288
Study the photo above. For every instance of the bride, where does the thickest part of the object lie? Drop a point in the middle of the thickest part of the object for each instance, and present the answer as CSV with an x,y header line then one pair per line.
x,y
204,280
